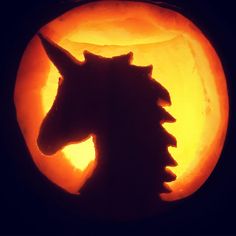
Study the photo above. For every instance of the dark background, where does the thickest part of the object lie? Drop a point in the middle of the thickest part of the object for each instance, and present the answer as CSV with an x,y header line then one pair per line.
x,y
30,204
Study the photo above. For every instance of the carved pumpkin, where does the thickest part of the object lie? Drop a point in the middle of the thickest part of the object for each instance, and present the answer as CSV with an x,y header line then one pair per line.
x,y
183,60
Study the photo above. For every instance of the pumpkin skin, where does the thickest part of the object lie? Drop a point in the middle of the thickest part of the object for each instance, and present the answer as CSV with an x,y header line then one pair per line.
x,y
183,61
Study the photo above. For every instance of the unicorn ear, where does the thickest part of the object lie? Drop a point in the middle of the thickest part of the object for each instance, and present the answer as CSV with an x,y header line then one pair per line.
x,y
127,58
61,58
88,56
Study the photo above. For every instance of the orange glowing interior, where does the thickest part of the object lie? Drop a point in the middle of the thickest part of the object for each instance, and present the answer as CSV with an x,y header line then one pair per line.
x,y
183,60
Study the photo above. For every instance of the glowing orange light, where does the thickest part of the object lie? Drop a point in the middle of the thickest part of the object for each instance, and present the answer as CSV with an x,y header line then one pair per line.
x,y
183,61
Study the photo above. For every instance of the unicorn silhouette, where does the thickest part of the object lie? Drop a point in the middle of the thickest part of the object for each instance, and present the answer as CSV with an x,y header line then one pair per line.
x,y
117,103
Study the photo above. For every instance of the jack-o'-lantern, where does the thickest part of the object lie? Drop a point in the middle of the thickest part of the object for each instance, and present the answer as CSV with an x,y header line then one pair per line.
x,y
183,61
